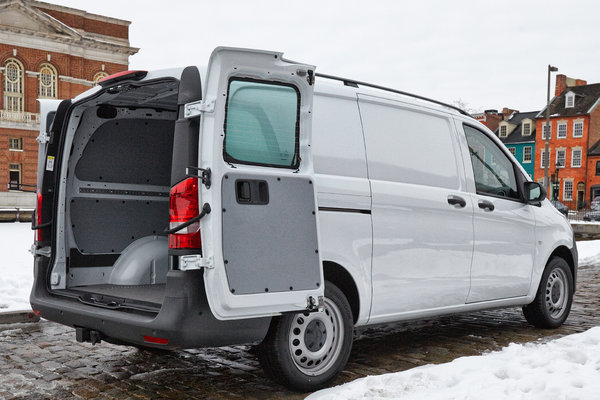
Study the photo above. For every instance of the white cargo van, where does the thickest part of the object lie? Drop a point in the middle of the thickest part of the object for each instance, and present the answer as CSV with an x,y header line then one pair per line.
x,y
256,201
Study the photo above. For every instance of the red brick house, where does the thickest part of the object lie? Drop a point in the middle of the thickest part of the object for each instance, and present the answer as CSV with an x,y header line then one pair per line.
x,y
574,141
48,51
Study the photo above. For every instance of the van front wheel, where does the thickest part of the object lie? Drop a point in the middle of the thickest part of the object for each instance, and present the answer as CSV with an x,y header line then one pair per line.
x,y
305,351
554,297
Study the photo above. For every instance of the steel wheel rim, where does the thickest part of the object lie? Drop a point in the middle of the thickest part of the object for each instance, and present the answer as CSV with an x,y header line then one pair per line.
x,y
556,293
314,353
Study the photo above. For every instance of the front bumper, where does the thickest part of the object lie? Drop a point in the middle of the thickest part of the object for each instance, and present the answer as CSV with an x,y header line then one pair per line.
x,y
184,319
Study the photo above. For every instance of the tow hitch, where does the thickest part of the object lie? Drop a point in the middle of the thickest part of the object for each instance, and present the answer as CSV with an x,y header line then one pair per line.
x,y
87,335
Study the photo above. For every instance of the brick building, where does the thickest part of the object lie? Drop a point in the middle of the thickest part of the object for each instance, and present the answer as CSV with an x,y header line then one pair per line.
x,y
574,133
47,51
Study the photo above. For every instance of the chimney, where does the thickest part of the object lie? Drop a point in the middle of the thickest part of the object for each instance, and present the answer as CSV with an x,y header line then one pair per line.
x,y
580,82
507,112
561,84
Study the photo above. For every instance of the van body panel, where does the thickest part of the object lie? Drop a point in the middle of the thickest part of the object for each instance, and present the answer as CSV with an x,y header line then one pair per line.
x,y
422,245
237,81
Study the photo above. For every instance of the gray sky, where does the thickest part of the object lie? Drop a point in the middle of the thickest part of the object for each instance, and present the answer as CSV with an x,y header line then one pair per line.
x,y
487,54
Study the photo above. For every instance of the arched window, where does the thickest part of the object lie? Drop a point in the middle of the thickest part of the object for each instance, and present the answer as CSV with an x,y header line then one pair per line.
x,y
13,85
98,76
47,88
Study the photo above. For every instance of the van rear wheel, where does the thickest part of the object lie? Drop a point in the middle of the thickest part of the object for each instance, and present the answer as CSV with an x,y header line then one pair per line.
x,y
305,351
554,297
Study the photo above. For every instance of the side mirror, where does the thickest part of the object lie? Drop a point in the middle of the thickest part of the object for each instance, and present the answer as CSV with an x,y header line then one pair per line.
x,y
533,192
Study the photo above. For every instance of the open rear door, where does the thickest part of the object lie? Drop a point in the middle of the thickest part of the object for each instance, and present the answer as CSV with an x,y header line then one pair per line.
x,y
260,239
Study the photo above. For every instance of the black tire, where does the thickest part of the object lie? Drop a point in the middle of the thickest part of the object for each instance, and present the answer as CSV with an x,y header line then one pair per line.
x,y
554,297
297,357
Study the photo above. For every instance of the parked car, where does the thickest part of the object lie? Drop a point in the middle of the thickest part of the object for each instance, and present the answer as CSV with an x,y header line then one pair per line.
x,y
563,209
593,214
257,202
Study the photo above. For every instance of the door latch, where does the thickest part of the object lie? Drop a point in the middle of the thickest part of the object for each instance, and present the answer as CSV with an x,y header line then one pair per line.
x,y
194,261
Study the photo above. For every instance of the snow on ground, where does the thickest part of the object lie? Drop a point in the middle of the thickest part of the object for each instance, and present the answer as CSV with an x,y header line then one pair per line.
x,y
566,368
16,266
589,252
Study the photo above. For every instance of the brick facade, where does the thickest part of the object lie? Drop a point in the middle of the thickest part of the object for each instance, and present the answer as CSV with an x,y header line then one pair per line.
x,y
76,44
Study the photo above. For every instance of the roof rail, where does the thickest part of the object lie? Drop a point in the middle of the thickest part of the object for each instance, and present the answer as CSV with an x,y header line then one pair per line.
x,y
353,83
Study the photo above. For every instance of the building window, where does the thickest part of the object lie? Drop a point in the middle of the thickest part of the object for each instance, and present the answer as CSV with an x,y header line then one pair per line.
x,y
527,129
543,161
567,190
503,131
14,178
570,100
512,150
48,86
597,168
13,86
99,76
547,132
578,129
15,143
562,130
527,154
576,158
560,157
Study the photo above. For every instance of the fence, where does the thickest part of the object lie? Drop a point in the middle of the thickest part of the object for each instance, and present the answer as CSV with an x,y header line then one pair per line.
x,y
578,211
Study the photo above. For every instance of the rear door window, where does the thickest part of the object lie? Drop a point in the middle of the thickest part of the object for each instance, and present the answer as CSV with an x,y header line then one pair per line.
x,y
261,124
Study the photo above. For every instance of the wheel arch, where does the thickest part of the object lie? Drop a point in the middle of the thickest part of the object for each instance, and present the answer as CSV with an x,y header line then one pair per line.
x,y
564,253
340,276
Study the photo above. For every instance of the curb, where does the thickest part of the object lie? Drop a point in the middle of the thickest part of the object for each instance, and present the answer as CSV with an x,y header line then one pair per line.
x,y
16,317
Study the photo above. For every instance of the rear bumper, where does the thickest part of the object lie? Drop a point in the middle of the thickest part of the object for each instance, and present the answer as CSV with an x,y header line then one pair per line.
x,y
185,319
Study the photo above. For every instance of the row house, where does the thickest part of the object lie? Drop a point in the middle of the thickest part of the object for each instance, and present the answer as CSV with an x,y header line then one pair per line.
x,y
518,134
47,51
574,136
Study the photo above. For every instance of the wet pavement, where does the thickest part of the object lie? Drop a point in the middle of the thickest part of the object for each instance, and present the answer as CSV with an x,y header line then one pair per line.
x,y
43,360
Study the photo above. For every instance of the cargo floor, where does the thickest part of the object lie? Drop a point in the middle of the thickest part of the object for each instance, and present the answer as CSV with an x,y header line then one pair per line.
x,y
146,293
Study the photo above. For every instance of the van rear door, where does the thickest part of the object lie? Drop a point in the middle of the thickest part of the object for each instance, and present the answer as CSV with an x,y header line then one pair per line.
x,y
260,238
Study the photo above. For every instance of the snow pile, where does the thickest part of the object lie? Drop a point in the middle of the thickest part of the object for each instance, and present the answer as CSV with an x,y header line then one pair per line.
x,y
16,266
566,368
589,252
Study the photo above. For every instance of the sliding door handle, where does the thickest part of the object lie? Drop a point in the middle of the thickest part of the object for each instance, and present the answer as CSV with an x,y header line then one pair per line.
x,y
456,201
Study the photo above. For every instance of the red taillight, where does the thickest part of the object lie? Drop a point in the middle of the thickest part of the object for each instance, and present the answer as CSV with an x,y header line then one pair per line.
x,y
155,340
121,76
184,206
38,216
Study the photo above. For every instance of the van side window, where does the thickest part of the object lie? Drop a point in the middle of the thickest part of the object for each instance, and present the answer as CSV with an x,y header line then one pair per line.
x,y
261,124
494,173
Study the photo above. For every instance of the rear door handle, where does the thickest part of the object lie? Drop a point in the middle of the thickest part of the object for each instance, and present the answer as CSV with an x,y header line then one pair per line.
x,y
456,201
486,205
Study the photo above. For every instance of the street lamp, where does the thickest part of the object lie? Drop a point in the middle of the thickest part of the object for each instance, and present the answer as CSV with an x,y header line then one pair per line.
x,y
547,147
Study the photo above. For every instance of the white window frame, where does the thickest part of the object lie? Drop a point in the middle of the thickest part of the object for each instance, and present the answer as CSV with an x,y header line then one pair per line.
x,y
528,125
47,85
503,131
563,151
562,126
570,100
530,154
565,192
512,150
575,124
542,157
573,151
14,86
18,141
548,128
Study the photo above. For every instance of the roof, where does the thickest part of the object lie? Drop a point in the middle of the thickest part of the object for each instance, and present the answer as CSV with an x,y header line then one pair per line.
x,y
516,136
586,97
595,149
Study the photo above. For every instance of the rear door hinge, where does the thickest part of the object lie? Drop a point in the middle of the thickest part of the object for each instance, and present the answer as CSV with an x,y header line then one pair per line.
x,y
204,174
43,138
195,261
195,108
